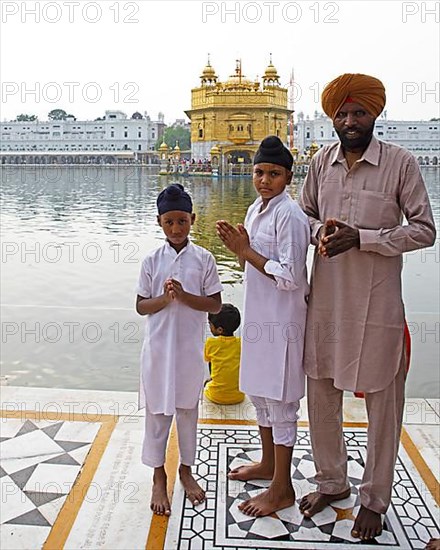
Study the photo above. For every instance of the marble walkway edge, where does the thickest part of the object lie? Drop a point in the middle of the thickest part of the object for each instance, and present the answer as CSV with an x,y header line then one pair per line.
x,y
89,442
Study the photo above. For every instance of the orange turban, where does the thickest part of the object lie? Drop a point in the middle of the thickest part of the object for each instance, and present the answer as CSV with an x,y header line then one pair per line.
x,y
358,88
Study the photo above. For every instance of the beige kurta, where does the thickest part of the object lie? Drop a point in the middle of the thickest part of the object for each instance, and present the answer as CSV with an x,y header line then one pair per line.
x,y
356,315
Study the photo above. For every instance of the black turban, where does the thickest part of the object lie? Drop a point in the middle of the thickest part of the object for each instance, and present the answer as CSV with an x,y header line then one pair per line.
x,y
273,151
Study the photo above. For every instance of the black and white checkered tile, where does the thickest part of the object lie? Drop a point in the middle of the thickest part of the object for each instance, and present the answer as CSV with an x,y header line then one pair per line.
x,y
39,462
218,523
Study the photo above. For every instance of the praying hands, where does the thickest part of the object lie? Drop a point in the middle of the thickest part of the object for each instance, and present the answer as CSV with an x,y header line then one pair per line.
x,y
236,239
337,237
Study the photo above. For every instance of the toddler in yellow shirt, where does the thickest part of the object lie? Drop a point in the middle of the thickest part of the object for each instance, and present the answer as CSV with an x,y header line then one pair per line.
x,y
223,355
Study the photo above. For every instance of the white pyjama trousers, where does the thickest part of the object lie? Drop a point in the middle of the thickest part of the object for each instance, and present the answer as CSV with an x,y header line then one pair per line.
x,y
280,416
157,430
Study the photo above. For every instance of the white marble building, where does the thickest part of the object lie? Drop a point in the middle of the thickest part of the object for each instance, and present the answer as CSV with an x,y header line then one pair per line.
x,y
421,137
114,133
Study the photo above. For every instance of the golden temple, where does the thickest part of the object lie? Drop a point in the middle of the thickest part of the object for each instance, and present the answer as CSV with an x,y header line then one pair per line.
x,y
229,119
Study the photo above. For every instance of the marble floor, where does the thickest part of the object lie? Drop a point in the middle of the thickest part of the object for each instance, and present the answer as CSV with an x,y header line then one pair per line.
x,y
71,477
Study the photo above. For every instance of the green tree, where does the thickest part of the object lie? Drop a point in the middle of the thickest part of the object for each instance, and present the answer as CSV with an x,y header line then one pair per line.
x,y
26,118
58,114
173,134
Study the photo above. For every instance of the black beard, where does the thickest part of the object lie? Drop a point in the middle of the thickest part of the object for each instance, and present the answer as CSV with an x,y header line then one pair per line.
x,y
358,144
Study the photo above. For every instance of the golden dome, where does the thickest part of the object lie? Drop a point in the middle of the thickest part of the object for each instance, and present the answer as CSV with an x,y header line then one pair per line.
x,y
314,147
214,150
271,71
177,148
238,81
208,76
163,146
271,76
208,72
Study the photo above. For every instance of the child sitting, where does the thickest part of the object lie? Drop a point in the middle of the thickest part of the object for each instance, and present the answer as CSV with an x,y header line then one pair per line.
x,y
223,355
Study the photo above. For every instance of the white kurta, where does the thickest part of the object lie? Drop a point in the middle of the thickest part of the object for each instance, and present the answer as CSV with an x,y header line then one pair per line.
x,y
172,365
275,310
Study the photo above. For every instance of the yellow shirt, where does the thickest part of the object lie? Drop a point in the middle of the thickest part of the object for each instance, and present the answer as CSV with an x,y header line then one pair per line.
x,y
223,352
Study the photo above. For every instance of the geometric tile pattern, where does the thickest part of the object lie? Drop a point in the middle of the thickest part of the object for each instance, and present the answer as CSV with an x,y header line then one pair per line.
x,y
410,522
39,462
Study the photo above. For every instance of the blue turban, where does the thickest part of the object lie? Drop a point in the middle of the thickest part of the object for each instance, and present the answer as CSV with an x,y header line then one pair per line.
x,y
174,197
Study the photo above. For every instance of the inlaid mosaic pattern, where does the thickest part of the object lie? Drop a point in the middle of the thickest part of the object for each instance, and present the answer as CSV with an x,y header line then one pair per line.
x,y
39,462
218,523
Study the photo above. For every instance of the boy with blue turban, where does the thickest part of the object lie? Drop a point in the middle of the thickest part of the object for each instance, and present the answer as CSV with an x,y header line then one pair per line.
x,y
178,286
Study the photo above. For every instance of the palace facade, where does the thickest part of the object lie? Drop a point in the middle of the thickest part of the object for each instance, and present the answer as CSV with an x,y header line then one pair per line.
x,y
113,138
421,137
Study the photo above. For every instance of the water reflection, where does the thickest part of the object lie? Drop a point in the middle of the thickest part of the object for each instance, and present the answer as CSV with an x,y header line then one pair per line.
x,y
72,243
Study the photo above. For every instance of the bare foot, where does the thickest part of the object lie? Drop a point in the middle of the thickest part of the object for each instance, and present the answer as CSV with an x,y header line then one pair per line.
x,y
159,499
269,501
251,471
367,525
313,503
192,489
433,544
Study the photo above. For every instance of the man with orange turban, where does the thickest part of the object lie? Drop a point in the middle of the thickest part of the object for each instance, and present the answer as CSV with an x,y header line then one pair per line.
x,y
357,88
356,193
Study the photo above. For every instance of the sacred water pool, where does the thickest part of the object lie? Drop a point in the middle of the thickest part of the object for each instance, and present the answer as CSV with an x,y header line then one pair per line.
x,y
72,243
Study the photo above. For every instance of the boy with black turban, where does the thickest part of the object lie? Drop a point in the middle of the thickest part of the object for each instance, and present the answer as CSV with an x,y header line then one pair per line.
x,y
272,247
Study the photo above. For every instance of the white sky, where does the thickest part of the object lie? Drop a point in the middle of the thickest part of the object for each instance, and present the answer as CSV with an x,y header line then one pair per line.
x,y
151,63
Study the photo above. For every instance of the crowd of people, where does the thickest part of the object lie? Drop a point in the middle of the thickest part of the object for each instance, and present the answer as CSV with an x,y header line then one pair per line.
x,y
355,198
